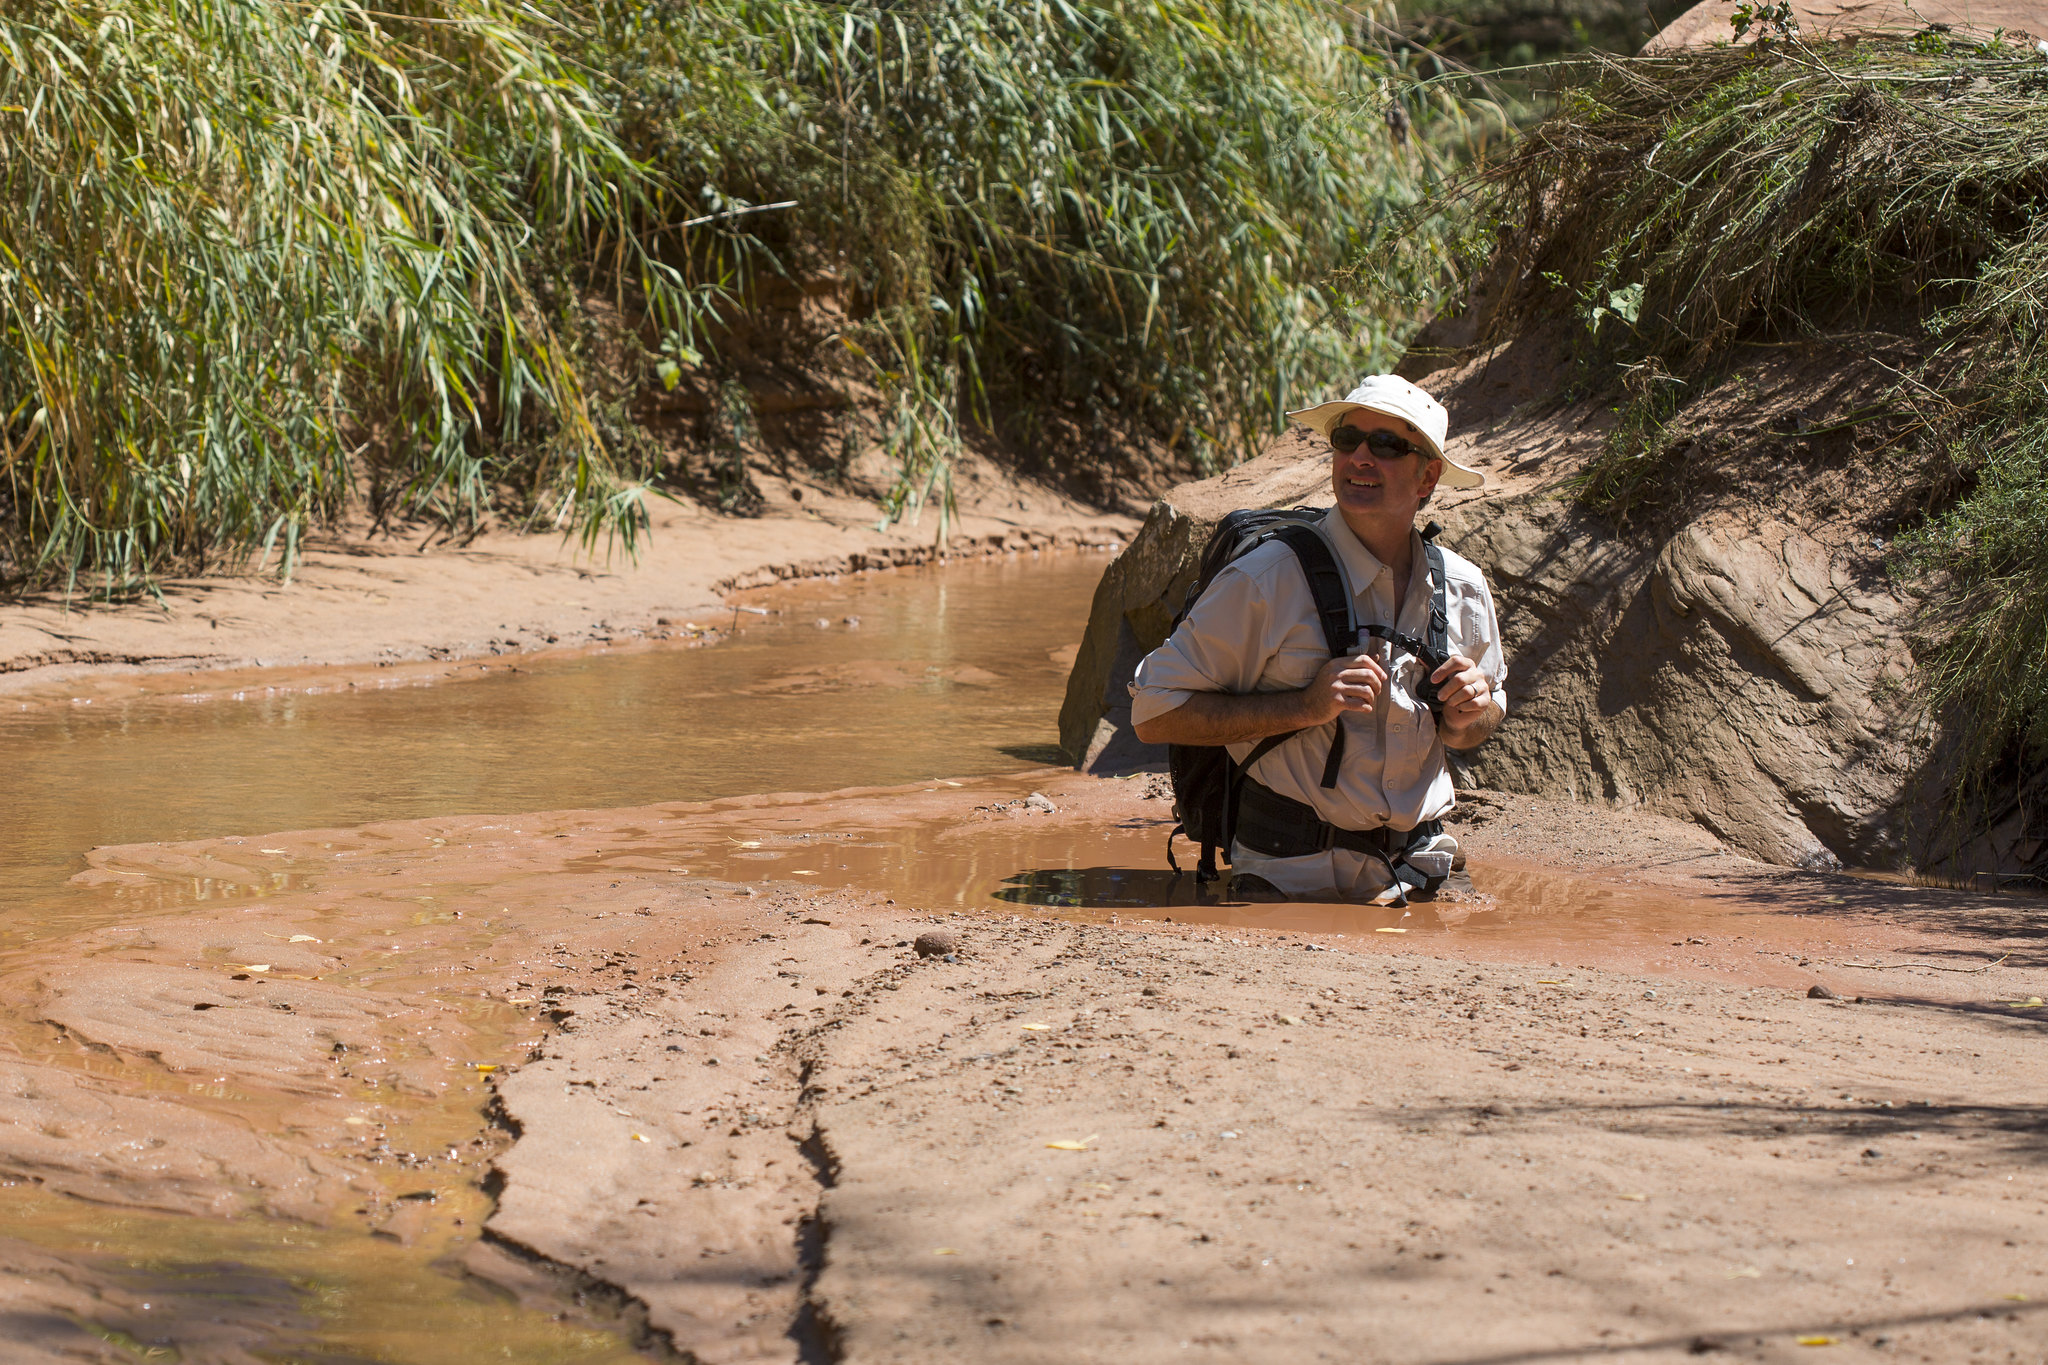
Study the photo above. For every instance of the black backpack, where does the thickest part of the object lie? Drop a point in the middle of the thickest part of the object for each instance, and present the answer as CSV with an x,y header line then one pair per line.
x,y
1205,778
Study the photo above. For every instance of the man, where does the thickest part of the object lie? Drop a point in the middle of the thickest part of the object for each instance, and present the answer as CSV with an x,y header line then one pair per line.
x,y
1250,661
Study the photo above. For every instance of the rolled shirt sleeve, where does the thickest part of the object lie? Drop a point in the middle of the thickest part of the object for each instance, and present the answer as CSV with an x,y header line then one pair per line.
x,y
1477,625
1220,646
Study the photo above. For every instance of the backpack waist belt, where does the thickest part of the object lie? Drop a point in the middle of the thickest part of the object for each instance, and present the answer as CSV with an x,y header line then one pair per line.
x,y
1281,827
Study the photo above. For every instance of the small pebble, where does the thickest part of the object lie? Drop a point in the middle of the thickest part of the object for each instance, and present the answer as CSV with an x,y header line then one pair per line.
x,y
1820,992
937,943
1039,801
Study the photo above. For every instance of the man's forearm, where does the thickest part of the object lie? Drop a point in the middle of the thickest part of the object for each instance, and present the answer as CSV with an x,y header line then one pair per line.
x,y
1229,718
1476,731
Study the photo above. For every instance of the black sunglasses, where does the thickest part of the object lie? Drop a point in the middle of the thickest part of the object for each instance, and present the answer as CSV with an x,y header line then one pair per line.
x,y
1385,444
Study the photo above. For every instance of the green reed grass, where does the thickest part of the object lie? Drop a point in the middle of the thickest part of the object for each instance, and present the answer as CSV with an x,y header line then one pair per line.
x,y
1124,212
264,260
254,253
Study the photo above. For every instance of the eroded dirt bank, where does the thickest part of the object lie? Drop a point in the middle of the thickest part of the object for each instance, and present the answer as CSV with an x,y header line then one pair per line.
x,y
365,604
723,1104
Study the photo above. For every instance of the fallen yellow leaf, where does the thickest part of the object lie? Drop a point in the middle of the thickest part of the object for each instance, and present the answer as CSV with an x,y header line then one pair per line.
x,y
1390,931
1546,981
2032,1002
2017,1298
1634,1198
1035,1028
639,1137
944,1251
744,843
1816,1341
1747,1272
253,967
302,938
355,1122
485,1067
1069,1145
270,850
801,872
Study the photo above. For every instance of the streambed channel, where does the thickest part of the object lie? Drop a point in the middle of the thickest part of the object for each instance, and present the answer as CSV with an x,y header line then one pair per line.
x,y
294,976
189,1185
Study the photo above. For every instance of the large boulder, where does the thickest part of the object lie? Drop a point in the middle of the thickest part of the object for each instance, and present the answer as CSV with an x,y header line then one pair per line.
x,y
1736,671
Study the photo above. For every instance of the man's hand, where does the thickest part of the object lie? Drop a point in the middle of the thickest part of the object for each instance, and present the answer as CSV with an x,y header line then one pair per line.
x,y
1470,713
1344,684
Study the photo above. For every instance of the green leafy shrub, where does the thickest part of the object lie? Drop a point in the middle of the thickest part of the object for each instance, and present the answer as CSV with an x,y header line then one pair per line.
x,y
251,252
1128,211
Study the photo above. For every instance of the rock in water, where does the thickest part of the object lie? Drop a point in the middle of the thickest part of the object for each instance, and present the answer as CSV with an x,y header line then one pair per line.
x,y
937,943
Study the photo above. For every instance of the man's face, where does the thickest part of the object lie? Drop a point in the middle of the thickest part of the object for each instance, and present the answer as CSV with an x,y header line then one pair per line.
x,y
1369,483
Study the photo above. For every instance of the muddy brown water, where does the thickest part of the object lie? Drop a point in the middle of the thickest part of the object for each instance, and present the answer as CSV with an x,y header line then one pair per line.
x,y
873,680
950,672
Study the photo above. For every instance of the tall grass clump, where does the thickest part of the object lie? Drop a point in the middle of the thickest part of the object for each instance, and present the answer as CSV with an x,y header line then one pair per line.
x,y
262,262
1119,213
1684,208
253,254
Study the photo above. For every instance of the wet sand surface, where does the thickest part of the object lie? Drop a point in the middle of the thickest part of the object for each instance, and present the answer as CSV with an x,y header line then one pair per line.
x,y
670,1080
674,1081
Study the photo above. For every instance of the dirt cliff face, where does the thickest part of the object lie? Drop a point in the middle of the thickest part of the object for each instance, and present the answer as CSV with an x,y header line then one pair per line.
x,y
1709,22
1736,674
1740,663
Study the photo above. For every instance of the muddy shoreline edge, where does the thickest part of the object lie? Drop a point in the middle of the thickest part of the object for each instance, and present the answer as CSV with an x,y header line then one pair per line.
x,y
359,609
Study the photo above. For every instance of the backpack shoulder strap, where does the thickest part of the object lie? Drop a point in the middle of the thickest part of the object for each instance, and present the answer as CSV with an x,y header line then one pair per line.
x,y
1439,638
1325,584
1332,595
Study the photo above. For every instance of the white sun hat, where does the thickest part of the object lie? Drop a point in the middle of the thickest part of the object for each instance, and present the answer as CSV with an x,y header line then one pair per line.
x,y
1392,396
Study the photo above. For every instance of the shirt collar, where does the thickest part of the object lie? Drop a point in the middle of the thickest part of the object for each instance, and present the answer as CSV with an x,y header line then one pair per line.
x,y
1361,565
